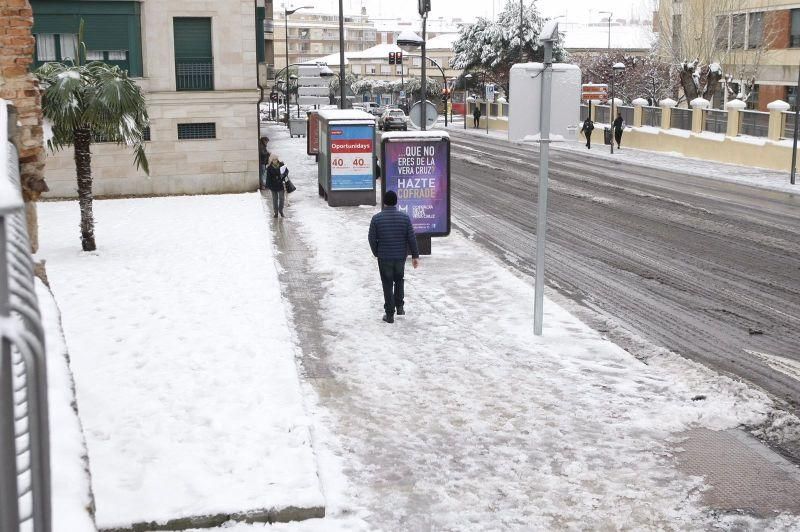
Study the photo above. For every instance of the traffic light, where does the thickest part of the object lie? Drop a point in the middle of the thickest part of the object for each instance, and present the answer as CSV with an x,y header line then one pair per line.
x,y
391,58
424,6
399,58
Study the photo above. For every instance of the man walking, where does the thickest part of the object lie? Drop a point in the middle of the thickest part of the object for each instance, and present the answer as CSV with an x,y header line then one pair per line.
x,y
391,235
618,125
476,116
588,127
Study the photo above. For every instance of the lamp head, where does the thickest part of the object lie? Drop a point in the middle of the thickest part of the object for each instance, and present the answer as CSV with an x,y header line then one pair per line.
x,y
293,11
618,67
549,32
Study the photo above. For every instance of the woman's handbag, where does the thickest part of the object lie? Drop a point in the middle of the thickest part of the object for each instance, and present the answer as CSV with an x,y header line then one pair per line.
x,y
289,186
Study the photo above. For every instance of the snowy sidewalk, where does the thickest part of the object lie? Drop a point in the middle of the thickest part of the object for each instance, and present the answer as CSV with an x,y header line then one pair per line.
x,y
457,417
745,175
183,361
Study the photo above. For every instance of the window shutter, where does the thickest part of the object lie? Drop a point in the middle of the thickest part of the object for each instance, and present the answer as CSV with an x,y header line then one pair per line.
x,y
192,37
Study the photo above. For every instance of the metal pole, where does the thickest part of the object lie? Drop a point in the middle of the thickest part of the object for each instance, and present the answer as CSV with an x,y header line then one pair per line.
x,y
541,213
286,36
9,504
794,141
424,90
611,108
341,56
521,18
465,100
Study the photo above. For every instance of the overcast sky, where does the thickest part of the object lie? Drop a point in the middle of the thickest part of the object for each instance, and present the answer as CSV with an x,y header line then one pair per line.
x,y
575,10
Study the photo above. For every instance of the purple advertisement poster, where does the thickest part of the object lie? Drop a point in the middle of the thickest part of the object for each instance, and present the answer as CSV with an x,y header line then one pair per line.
x,y
418,171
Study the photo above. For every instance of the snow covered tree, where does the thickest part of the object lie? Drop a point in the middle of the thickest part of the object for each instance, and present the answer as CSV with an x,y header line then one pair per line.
x,y
413,85
713,43
647,77
495,46
349,79
87,102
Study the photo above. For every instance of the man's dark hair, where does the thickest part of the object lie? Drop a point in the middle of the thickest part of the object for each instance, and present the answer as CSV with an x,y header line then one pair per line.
x,y
390,198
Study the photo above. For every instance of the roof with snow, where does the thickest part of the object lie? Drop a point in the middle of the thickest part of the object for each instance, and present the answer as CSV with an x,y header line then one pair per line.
x,y
580,37
442,42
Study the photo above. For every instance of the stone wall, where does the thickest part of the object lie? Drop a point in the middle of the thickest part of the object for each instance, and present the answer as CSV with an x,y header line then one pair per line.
x,y
20,87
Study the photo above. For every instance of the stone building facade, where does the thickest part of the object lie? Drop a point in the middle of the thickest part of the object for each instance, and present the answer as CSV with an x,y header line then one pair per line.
x,y
196,62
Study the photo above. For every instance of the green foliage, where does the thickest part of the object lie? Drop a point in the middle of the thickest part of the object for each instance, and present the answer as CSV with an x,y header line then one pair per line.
x,y
96,96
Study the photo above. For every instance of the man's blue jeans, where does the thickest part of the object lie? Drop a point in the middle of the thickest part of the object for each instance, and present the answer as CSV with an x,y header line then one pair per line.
x,y
392,280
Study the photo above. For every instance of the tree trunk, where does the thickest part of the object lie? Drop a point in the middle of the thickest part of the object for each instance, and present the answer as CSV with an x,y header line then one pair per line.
x,y
83,168
687,83
32,221
712,82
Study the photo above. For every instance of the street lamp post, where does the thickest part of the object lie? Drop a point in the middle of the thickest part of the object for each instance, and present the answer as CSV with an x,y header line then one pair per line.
x,y
617,67
466,77
609,13
341,56
286,13
296,96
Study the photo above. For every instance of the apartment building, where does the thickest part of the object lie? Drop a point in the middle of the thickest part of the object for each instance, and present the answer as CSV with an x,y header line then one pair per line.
x,y
749,38
196,62
313,35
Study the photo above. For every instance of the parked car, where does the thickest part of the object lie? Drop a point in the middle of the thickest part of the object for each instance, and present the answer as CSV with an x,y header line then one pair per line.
x,y
393,119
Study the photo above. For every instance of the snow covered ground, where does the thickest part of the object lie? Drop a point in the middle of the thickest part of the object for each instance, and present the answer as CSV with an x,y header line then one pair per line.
x,y
458,418
182,357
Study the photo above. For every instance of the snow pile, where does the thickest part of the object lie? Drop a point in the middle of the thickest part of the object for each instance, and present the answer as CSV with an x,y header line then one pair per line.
x,y
182,357
71,497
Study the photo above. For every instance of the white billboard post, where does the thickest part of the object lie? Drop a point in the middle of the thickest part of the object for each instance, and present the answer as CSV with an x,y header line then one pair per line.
x,y
312,89
548,36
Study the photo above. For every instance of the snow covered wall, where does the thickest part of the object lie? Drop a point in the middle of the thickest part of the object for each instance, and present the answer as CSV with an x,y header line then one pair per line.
x,y
526,96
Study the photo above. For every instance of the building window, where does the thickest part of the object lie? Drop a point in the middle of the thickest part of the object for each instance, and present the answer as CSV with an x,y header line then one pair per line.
x,y
370,69
194,62
794,40
206,130
721,32
737,31
386,70
791,96
399,70
56,47
416,61
146,133
355,69
755,29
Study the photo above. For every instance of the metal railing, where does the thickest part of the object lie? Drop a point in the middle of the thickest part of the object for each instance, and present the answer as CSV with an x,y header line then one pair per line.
x,y
24,431
602,114
651,116
716,121
788,125
584,112
754,123
681,118
627,114
194,74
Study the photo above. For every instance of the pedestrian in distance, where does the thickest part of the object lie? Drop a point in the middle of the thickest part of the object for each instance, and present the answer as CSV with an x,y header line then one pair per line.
x,y
476,116
588,127
275,183
263,161
618,126
391,235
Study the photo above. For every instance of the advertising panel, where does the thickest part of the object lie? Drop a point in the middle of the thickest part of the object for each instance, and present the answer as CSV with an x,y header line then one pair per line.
x,y
418,170
312,136
351,157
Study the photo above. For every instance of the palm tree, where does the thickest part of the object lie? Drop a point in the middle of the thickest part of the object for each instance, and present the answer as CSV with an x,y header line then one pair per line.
x,y
89,102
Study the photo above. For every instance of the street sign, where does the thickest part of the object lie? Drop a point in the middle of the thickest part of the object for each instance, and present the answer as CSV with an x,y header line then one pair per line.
x,y
312,89
594,91
313,100
402,94
431,114
490,93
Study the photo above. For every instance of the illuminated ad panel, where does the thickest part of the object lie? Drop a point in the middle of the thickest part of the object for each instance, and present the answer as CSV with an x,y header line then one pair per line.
x,y
351,157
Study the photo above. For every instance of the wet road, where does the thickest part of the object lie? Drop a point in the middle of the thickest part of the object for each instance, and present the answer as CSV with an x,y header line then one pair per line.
x,y
708,269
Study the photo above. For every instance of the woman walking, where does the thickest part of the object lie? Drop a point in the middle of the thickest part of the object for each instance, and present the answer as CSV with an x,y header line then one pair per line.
x,y
275,184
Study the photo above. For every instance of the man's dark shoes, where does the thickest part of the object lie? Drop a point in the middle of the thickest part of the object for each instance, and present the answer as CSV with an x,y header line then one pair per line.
x,y
388,318
401,311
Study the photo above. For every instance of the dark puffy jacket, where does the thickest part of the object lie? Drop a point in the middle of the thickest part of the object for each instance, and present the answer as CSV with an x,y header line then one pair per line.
x,y
391,235
274,178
